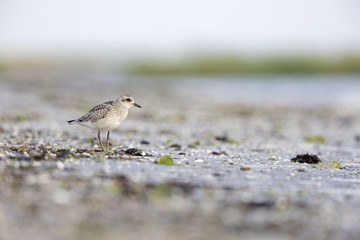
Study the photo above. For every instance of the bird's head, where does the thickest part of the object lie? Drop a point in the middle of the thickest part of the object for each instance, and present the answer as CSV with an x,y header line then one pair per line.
x,y
127,101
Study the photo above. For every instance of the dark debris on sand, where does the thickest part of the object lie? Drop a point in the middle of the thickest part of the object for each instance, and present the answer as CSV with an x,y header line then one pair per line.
x,y
306,158
134,152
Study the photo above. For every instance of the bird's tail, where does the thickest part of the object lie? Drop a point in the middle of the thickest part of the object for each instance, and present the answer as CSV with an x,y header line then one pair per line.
x,y
71,122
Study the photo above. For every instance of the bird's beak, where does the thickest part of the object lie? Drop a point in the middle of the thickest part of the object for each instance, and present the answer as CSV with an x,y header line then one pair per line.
x,y
137,105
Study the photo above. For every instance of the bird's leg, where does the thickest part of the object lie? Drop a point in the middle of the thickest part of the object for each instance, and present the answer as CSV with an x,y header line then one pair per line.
x,y
99,137
107,141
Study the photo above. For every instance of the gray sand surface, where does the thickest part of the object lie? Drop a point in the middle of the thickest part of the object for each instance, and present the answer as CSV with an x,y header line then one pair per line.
x,y
231,139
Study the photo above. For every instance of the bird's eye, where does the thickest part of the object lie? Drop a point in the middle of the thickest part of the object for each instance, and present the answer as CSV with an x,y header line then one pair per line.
x,y
128,99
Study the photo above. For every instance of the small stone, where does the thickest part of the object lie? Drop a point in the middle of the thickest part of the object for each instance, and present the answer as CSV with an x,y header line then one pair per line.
x,y
176,147
218,153
245,169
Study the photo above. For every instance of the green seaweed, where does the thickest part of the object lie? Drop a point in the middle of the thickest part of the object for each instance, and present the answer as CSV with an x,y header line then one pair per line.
x,y
228,163
70,156
315,139
167,160
332,165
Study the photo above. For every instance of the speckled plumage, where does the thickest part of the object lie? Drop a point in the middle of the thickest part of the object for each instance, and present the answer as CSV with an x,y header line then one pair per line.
x,y
107,116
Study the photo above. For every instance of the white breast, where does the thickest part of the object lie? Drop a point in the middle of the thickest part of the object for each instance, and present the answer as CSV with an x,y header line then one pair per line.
x,y
111,121
106,124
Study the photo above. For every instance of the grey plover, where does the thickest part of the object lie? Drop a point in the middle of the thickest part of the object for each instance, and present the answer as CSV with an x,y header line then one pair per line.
x,y
107,116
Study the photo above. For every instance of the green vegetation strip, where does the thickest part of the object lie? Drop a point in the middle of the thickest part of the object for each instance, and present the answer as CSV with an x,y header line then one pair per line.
x,y
222,64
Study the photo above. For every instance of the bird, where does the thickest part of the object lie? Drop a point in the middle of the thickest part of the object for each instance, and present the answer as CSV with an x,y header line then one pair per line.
x,y
106,116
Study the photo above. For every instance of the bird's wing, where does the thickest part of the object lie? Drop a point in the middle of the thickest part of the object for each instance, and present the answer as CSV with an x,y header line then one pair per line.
x,y
98,112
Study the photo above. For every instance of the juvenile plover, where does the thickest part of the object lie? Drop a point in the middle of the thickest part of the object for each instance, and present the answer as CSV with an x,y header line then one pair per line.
x,y
107,116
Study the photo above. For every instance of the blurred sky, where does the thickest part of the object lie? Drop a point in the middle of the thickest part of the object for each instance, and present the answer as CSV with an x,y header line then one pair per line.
x,y
166,28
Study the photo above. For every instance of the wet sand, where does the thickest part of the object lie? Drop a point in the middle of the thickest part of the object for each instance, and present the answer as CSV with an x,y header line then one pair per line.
x,y
231,139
